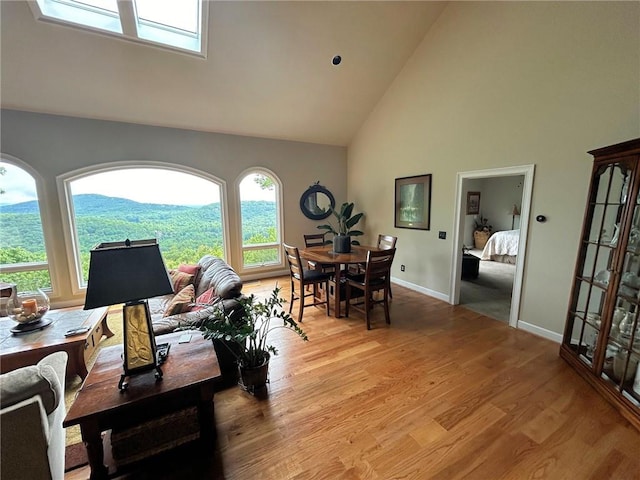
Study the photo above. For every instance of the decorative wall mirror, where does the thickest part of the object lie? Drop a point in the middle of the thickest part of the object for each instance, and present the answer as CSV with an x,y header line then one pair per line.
x,y
316,202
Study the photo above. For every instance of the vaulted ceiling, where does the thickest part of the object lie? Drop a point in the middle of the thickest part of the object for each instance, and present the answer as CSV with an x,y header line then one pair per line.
x,y
268,71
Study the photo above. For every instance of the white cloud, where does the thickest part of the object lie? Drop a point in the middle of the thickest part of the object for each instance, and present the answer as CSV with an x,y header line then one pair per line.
x,y
18,185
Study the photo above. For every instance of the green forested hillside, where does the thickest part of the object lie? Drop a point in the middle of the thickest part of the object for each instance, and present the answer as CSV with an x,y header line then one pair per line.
x,y
184,233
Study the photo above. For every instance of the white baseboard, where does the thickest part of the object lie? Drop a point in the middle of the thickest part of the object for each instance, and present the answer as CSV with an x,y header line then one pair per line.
x,y
527,327
540,332
419,289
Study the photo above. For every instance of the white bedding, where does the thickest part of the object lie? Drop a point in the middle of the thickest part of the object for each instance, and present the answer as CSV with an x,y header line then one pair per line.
x,y
501,243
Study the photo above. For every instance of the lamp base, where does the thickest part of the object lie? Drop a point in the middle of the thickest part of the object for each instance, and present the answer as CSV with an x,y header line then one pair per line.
x,y
123,385
140,353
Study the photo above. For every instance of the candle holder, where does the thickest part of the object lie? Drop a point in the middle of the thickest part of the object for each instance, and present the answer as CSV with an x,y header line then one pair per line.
x,y
28,310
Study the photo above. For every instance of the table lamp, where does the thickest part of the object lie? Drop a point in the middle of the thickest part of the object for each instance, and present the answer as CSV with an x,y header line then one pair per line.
x,y
129,272
514,212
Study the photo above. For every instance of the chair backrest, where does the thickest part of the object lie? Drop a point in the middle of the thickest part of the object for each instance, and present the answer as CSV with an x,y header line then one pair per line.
x,y
387,241
314,240
378,265
295,264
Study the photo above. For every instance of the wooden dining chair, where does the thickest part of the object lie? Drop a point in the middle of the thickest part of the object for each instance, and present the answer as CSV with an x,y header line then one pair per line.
x,y
317,240
376,277
385,242
303,277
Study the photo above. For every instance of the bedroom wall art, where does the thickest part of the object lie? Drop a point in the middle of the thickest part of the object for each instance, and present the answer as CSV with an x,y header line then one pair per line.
x,y
473,203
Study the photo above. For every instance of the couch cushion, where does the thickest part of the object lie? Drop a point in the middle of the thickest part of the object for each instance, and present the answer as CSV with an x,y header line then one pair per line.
x,y
180,279
214,272
206,298
181,302
162,325
26,382
190,269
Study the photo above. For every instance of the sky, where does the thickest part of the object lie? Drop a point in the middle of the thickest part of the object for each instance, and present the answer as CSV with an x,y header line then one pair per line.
x,y
158,186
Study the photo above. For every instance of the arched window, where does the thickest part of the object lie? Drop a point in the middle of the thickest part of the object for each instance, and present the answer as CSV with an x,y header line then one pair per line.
x,y
182,210
260,211
23,253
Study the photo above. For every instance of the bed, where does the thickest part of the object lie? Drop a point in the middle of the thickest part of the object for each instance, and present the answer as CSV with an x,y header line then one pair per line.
x,y
502,247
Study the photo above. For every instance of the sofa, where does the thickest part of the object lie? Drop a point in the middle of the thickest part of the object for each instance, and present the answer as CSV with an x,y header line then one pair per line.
x,y
210,284
32,409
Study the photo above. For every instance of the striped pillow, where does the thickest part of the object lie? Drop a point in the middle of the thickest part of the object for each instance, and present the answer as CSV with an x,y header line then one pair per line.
x,y
180,279
181,302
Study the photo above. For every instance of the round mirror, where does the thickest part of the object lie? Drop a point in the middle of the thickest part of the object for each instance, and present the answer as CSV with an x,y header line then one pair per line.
x,y
316,202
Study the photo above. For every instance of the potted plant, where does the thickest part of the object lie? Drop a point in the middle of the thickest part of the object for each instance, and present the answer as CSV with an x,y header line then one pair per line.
x,y
343,232
481,231
245,333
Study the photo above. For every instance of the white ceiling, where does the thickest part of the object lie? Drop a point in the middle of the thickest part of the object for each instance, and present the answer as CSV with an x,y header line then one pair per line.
x,y
268,72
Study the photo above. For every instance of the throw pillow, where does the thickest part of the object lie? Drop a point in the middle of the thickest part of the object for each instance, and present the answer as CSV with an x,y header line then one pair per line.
x,y
180,279
206,298
190,269
181,302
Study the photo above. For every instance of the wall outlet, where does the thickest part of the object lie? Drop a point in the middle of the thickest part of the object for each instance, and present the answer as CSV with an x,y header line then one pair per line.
x,y
402,268
442,235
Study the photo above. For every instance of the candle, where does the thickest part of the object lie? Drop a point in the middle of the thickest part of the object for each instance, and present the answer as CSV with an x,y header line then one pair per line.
x,y
29,306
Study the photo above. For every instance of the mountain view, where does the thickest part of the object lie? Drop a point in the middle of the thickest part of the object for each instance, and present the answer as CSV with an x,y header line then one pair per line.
x,y
185,233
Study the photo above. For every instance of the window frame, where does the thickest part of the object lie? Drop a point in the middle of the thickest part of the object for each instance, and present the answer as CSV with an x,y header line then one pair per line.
x,y
125,25
251,271
46,229
68,215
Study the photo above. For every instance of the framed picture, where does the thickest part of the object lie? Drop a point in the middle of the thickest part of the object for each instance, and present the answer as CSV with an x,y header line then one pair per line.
x,y
413,202
473,203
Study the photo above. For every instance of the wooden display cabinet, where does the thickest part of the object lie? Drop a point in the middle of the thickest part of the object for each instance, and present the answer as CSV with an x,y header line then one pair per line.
x,y
602,333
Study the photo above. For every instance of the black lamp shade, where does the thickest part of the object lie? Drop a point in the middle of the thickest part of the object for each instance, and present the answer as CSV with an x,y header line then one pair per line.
x,y
120,272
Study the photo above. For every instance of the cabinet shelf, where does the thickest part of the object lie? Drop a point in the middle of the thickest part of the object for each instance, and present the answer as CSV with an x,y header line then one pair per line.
x,y
612,214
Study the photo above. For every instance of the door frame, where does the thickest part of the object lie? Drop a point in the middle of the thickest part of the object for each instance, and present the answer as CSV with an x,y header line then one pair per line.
x,y
458,231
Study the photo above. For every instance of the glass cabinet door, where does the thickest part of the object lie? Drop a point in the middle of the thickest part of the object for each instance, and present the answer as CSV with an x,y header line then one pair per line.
x,y
598,254
622,354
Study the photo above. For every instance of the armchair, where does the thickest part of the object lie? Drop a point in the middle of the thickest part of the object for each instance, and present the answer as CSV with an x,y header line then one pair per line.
x,y
32,408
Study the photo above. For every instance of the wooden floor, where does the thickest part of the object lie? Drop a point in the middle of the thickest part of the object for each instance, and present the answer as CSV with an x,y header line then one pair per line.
x,y
443,393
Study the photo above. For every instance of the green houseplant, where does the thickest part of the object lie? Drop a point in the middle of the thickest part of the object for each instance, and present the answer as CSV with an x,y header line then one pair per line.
x,y
344,230
245,336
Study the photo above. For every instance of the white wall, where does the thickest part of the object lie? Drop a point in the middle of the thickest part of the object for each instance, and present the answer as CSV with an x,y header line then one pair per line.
x,y
502,84
55,145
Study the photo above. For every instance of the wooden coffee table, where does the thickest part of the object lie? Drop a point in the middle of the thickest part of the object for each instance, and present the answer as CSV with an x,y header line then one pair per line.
x,y
191,373
29,348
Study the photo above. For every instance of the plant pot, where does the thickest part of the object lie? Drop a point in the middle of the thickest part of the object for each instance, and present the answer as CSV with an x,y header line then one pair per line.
x,y
342,244
227,353
254,378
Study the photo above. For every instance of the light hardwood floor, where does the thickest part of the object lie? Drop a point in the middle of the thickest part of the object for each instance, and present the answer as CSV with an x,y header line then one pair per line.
x,y
443,393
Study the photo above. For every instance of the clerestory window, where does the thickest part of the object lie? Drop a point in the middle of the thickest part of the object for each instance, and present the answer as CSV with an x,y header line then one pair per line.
x,y
175,24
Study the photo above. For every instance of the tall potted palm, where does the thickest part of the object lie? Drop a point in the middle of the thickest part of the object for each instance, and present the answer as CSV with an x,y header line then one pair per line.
x,y
344,231
246,335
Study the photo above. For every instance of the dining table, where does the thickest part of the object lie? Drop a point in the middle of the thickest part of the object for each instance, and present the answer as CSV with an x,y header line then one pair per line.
x,y
325,254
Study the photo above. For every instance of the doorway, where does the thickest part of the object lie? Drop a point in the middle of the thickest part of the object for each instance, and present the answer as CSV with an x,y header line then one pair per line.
x,y
465,180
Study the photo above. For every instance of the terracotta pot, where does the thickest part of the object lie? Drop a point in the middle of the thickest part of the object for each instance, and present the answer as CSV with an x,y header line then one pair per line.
x,y
342,244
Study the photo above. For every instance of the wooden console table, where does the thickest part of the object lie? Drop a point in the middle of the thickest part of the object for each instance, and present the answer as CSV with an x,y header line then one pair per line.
x,y
29,348
191,373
